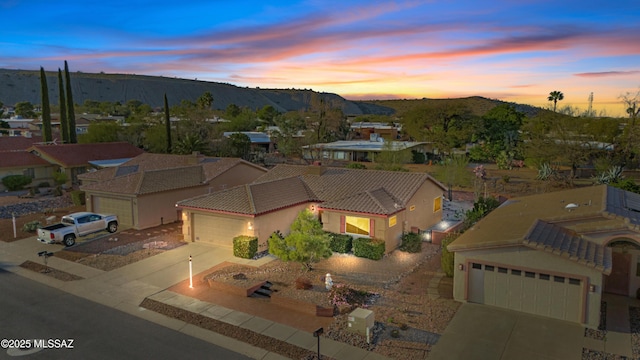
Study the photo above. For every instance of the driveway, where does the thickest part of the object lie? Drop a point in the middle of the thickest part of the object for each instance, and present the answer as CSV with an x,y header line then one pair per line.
x,y
488,333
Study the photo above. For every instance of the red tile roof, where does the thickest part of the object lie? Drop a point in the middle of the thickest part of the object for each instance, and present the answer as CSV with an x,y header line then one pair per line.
x,y
20,159
13,143
72,155
253,199
365,191
149,173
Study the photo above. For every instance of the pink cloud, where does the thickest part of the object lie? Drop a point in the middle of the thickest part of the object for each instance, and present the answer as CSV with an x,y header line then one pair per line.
x,y
607,73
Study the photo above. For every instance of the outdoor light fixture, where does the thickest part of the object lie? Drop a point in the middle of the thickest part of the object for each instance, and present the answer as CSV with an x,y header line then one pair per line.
x,y
460,267
592,288
313,208
317,334
250,226
190,272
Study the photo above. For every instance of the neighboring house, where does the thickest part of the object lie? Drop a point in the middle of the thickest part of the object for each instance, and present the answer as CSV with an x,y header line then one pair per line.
x,y
259,140
362,203
15,160
74,159
553,254
358,150
144,190
373,130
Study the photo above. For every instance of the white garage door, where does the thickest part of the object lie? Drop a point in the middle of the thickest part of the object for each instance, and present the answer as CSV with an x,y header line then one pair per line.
x,y
537,293
122,208
216,229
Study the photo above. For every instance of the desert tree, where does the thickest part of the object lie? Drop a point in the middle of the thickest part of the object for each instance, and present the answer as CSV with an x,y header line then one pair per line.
x,y
306,243
205,100
62,101
555,96
46,108
630,102
25,109
71,115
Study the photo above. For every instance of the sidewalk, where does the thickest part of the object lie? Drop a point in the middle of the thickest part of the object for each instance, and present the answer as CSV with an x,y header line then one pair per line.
x,y
126,287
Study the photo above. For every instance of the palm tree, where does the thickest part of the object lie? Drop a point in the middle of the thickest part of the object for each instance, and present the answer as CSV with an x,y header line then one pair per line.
x,y
555,96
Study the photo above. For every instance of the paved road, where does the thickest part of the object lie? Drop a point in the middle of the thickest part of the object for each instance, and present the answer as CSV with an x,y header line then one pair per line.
x,y
30,310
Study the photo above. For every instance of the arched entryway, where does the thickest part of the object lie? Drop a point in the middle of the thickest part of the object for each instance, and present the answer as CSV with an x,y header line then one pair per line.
x,y
625,272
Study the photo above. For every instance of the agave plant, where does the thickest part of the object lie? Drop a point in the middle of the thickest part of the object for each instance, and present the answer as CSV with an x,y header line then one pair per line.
x,y
613,175
545,171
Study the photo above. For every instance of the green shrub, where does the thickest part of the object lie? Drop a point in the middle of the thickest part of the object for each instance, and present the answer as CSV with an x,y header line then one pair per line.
x,y
245,246
15,182
78,197
368,248
447,259
356,166
417,157
411,242
31,226
341,243
59,178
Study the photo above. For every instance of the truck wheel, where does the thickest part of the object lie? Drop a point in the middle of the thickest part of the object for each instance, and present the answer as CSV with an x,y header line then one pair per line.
x,y
112,227
69,240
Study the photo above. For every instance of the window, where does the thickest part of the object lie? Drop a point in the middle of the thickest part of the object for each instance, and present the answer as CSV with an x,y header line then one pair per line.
x,y
529,274
544,277
476,266
489,268
437,204
392,221
339,155
574,281
559,279
516,272
413,207
357,225
502,270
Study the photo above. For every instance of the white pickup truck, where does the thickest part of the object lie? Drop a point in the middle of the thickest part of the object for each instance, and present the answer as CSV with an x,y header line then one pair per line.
x,y
75,225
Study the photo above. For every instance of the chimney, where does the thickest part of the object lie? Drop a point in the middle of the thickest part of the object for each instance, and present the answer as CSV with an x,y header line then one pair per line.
x,y
315,169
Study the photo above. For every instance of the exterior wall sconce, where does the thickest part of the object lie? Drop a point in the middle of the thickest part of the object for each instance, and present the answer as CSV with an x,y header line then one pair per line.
x,y
461,267
250,226
313,208
592,288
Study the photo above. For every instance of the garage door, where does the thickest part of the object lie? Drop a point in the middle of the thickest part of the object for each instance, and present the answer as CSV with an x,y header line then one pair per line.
x,y
559,297
122,208
216,229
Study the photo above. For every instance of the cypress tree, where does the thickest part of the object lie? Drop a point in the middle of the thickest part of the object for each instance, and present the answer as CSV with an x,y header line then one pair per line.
x,y
46,110
62,100
167,123
71,115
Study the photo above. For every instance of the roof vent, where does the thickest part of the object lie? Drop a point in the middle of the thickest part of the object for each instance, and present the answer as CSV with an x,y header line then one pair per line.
x,y
571,206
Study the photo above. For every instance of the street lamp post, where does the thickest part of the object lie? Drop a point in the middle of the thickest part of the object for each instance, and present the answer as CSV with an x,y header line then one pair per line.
x,y
190,273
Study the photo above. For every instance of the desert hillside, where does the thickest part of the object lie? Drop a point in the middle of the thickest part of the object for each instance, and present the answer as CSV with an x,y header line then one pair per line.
x,y
24,85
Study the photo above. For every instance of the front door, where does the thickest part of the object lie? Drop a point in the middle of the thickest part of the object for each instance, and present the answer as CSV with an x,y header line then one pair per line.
x,y
618,281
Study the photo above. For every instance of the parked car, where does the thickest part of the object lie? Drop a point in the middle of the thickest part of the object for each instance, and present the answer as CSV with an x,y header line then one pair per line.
x,y
75,225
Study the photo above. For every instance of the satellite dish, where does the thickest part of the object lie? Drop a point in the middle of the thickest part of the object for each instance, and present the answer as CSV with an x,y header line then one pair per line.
x,y
571,206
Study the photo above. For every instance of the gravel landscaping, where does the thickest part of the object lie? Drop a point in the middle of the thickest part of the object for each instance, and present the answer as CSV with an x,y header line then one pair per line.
x,y
57,274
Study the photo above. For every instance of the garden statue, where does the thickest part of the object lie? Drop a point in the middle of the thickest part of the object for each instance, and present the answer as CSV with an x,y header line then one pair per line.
x,y
328,283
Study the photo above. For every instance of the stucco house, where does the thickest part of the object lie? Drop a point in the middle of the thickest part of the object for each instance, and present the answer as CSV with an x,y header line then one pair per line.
x,y
362,203
553,254
144,190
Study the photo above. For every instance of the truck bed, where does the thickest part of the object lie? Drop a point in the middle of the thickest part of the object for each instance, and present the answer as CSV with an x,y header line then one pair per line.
x,y
55,226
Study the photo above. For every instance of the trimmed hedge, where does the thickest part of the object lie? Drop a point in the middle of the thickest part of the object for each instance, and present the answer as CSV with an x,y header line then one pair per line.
x,y
368,248
245,246
340,243
78,197
411,242
15,182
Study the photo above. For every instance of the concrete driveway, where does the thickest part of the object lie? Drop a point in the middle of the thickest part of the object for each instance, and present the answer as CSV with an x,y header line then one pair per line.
x,y
488,333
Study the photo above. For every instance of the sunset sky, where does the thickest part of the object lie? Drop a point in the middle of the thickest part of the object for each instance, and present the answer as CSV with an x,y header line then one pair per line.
x,y
509,50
